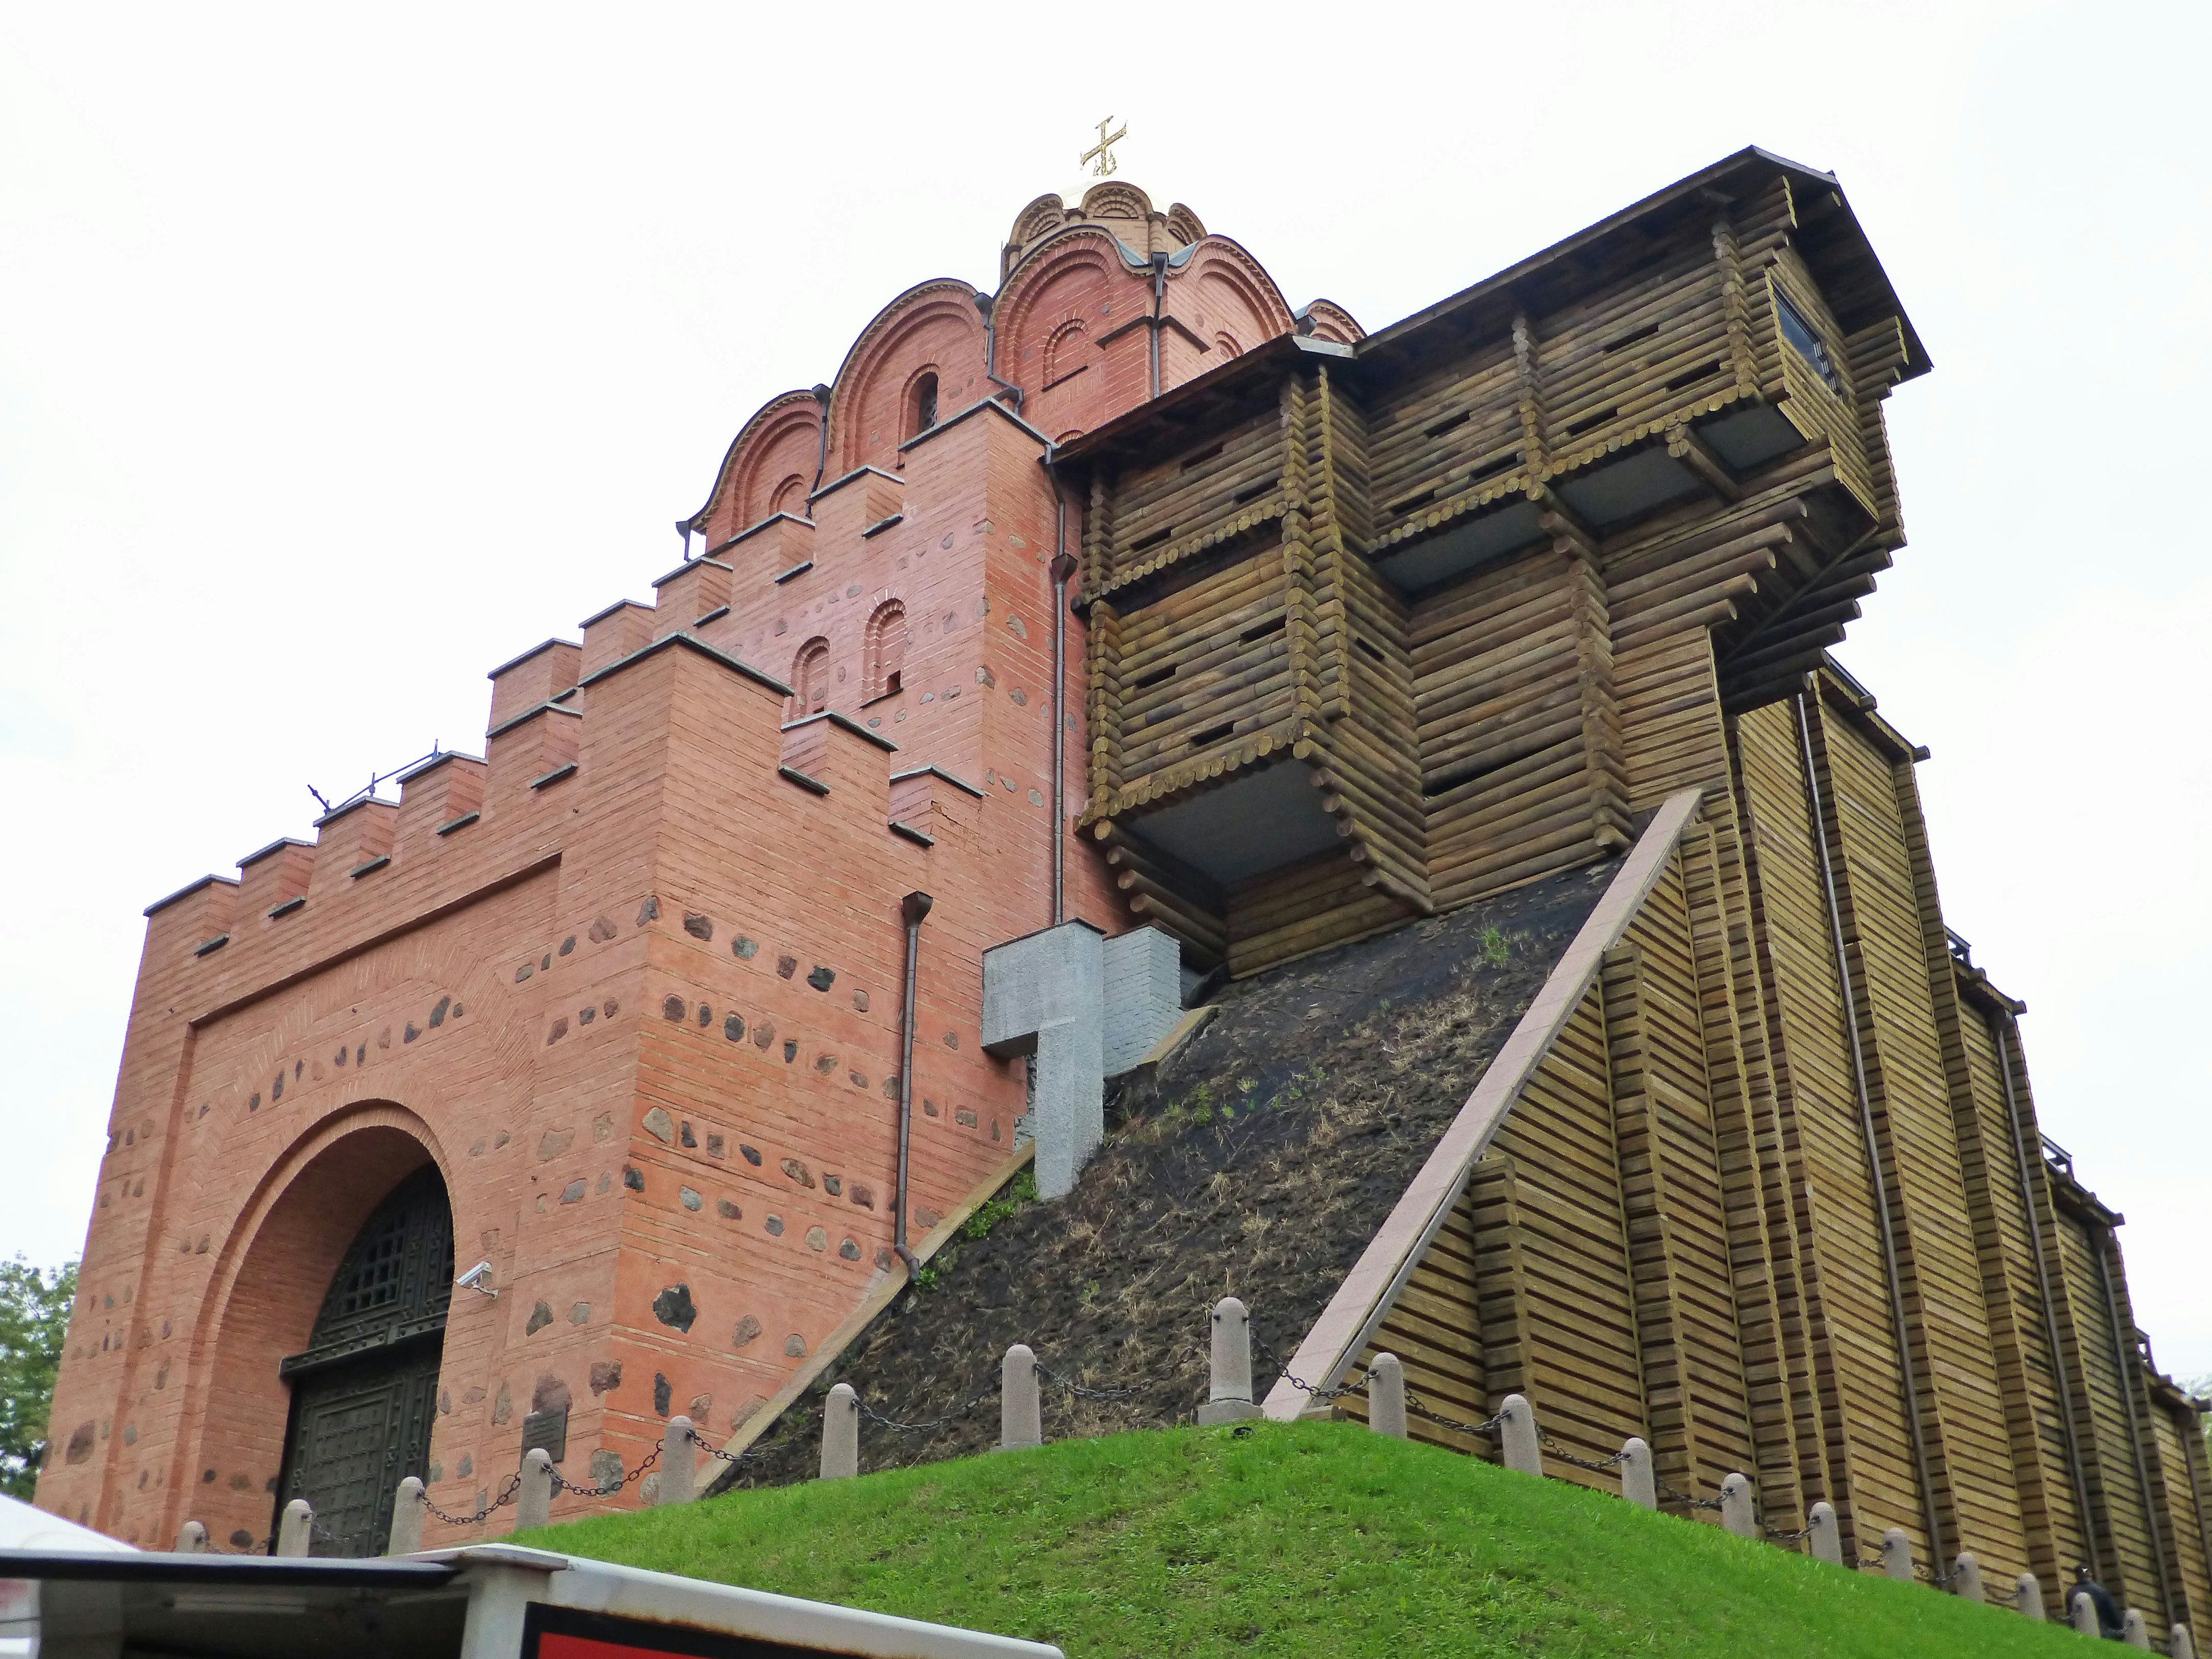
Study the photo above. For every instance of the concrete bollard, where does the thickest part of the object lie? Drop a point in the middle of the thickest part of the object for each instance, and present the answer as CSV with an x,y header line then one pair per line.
x,y
1021,1414
2083,1612
1897,1555
1229,1396
1386,1395
1739,1512
2028,1596
1827,1538
406,1518
295,1532
2133,1630
1639,1481
533,1498
191,1540
680,1463
2179,1643
1516,1436
1966,1577
840,1434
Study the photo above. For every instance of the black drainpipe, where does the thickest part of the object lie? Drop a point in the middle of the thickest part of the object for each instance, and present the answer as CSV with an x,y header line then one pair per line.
x,y
822,444
2130,1361
2042,1286
912,908
987,304
1909,1389
1159,299
1063,567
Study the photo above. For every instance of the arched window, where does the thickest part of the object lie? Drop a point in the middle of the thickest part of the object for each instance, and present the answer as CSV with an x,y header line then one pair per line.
x,y
1064,353
921,405
810,679
886,652
790,498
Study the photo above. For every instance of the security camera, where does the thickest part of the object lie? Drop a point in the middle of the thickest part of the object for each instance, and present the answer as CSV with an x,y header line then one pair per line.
x,y
474,1279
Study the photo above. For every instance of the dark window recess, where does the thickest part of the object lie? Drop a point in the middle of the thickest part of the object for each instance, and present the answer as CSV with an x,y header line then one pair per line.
x,y
1253,492
1691,377
1152,540
1504,463
1202,457
1260,630
1627,340
1155,677
1369,647
1412,502
924,408
1591,421
1212,734
891,683
1804,340
1445,425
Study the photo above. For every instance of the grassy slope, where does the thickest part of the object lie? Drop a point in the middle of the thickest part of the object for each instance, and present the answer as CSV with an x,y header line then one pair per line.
x,y
1304,1538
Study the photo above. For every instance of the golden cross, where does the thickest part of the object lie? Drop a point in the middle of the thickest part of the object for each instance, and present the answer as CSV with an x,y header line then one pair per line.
x,y
1103,153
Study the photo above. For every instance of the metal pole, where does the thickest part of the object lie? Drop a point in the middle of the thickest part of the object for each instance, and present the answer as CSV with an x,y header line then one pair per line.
x,y
912,908
1909,1388
1062,568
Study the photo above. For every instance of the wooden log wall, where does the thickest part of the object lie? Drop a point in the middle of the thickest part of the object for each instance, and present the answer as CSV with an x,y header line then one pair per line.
x,y
1688,1225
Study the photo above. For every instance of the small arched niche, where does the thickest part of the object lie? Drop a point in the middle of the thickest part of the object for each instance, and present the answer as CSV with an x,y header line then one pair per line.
x,y
921,404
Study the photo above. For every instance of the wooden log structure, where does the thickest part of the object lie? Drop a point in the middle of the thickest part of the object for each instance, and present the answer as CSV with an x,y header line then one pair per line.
x,y
1383,629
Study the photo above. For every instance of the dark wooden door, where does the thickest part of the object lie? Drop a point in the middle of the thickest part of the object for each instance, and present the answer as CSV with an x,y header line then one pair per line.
x,y
365,1392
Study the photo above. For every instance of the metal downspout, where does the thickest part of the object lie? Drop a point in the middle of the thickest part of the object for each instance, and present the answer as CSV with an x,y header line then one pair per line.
x,y
1909,1389
1159,299
1063,567
987,304
2130,1370
821,447
912,908
2042,1286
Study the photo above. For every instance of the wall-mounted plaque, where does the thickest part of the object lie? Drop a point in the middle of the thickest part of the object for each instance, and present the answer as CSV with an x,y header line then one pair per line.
x,y
548,1430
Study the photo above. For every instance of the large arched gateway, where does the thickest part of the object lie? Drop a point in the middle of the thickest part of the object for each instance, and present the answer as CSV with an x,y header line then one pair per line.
x,y
365,1389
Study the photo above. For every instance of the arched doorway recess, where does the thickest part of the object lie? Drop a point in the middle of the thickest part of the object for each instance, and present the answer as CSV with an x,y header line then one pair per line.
x,y
365,1389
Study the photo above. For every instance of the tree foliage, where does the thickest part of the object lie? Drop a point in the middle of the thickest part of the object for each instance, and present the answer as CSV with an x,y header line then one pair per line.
x,y
35,1307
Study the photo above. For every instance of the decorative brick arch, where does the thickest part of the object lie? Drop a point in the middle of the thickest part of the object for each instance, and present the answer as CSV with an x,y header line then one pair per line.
x,y
1232,292
267,1286
782,441
884,658
934,325
810,678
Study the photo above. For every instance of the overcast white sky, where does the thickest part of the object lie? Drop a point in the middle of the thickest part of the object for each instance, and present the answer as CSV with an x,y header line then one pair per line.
x,y
338,363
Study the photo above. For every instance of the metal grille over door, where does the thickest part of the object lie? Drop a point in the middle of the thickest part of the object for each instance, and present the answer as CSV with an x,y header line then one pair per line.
x,y
365,1392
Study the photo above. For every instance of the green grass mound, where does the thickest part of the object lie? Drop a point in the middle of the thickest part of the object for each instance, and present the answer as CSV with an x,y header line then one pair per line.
x,y
1301,1538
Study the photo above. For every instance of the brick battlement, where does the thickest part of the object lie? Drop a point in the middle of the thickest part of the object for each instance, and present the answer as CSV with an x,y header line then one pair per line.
x,y
632,981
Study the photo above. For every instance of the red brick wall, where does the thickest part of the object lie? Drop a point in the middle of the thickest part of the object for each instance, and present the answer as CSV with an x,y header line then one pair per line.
x,y
644,1014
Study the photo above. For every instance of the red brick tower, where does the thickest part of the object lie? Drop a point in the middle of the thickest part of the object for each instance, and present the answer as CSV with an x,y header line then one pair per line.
x,y
616,1008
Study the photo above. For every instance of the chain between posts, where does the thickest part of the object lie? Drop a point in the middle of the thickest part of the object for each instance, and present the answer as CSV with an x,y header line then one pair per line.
x,y
507,1495
959,1412
1109,1396
1671,1496
1598,1466
560,1483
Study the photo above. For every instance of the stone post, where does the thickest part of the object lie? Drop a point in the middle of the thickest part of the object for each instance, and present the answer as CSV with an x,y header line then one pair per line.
x,y
680,1463
406,1518
840,1434
1966,1577
1386,1395
1827,1538
2180,1644
533,1499
1228,1396
1021,1414
191,1540
2028,1596
1639,1482
1516,1436
2083,1612
296,1531
1739,1512
2133,1630
1897,1555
